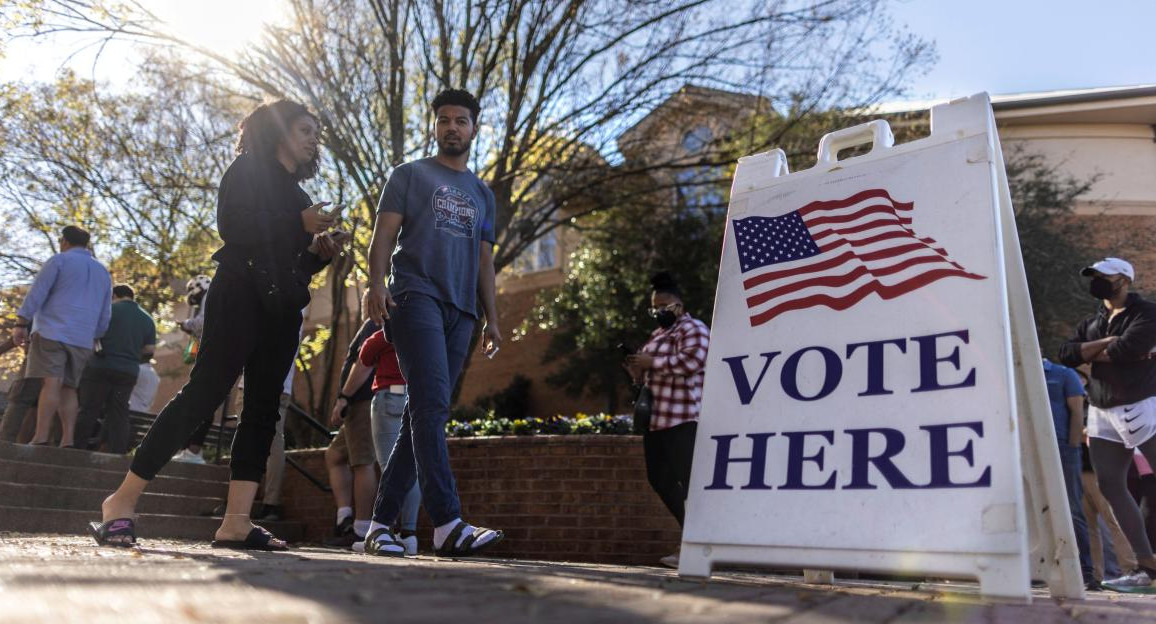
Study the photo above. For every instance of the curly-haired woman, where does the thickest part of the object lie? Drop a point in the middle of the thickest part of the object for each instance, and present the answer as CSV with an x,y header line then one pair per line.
x,y
275,239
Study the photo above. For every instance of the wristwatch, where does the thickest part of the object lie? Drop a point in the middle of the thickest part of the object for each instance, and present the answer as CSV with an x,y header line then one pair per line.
x,y
348,399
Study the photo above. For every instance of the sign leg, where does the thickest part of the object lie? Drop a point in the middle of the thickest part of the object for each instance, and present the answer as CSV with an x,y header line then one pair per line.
x,y
694,561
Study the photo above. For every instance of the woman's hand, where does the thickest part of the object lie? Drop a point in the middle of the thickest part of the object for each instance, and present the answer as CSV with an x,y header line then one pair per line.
x,y
314,221
640,361
328,244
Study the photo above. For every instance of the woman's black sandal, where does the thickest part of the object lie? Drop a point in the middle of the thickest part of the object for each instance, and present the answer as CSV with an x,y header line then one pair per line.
x,y
114,532
257,539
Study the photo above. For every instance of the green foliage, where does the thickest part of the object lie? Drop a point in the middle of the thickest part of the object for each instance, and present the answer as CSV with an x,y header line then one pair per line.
x,y
604,300
1054,245
579,424
511,402
137,168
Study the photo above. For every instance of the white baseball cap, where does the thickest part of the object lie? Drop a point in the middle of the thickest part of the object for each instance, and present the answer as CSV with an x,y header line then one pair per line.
x,y
1111,266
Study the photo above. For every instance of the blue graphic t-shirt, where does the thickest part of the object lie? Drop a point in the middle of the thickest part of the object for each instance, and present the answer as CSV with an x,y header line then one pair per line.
x,y
446,214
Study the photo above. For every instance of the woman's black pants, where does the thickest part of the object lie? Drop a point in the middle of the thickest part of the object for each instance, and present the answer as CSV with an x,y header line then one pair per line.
x,y
239,336
669,453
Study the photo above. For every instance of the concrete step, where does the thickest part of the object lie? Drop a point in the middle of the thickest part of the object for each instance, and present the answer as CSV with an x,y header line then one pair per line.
x,y
105,461
87,499
70,521
88,477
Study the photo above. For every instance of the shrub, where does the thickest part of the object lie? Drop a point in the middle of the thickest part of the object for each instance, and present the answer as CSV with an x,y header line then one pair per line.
x,y
602,424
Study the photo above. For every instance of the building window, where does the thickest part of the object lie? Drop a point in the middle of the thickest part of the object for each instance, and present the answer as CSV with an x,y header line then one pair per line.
x,y
699,187
542,254
696,140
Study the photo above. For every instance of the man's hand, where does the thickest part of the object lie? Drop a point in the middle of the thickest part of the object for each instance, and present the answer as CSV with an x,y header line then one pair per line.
x,y
20,336
378,302
1094,351
640,361
491,340
314,221
339,406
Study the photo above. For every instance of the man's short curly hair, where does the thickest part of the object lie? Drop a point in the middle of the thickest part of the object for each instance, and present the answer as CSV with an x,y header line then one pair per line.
x,y
458,97
264,128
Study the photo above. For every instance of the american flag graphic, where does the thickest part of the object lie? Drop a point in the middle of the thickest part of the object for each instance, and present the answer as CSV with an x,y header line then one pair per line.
x,y
835,254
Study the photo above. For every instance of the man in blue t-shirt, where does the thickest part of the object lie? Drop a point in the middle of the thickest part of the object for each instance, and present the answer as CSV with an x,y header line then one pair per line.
x,y
1066,396
434,238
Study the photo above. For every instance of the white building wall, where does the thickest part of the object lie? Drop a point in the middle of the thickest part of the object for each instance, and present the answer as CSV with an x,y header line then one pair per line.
x,y
1123,156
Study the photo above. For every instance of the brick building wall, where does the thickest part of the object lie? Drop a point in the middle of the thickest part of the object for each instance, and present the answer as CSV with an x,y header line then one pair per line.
x,y
522,357
564,498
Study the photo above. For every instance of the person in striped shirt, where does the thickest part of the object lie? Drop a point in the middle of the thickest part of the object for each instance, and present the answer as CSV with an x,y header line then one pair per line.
x,y
671,364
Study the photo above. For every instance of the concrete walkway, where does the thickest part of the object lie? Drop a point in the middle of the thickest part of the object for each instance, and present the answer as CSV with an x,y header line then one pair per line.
x,y
46,578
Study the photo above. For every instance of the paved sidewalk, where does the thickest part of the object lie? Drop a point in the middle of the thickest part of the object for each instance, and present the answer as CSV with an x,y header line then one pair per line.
x,y
67,579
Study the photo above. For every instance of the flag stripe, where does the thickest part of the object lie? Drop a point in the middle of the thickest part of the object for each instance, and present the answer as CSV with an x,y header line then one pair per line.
x,y
855,199
762,278
842,280
920,245
862,227
842,303
844,218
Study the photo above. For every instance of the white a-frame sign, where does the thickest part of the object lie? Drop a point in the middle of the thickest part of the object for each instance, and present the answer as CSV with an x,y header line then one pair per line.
x,y
874,394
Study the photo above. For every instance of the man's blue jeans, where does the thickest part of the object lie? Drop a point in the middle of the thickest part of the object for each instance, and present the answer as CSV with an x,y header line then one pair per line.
x,y
431,338
1071,464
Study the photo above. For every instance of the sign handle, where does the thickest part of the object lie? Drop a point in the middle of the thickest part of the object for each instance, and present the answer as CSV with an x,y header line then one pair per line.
x,y
876,132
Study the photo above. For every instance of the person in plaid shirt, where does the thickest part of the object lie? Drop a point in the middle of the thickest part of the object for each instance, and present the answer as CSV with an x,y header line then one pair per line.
x,y
671,364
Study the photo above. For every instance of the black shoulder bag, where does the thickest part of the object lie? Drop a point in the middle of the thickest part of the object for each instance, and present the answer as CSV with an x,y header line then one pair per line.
x,y
642,407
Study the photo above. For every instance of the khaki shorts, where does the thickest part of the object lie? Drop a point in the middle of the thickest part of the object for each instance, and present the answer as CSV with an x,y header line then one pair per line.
x,y
49,358
354,440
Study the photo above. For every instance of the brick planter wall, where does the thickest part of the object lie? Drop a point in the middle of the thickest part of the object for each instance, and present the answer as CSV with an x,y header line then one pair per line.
x,y
567,498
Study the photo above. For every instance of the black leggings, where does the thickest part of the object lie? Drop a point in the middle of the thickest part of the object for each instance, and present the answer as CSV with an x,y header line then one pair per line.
x,y
1111,461
202,432
239,336
669,453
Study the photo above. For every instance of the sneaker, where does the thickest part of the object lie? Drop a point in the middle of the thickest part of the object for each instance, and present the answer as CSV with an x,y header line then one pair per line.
x,y
670,561
1138,578
188,458
343,536
1093,586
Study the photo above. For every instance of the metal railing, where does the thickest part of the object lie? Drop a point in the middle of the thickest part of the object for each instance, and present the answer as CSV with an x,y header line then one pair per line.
x,y
221,436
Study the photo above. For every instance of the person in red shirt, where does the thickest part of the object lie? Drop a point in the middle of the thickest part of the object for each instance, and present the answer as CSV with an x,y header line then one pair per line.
x,y
389,397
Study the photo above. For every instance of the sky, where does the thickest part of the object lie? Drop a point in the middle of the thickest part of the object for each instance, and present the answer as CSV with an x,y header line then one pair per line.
x,y
999,46
1020,46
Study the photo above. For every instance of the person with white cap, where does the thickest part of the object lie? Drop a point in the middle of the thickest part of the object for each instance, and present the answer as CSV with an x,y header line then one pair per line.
x,y
1118,342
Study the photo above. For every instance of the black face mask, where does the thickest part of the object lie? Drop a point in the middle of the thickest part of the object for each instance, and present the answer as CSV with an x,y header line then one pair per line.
x,y
1101,288
665,319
